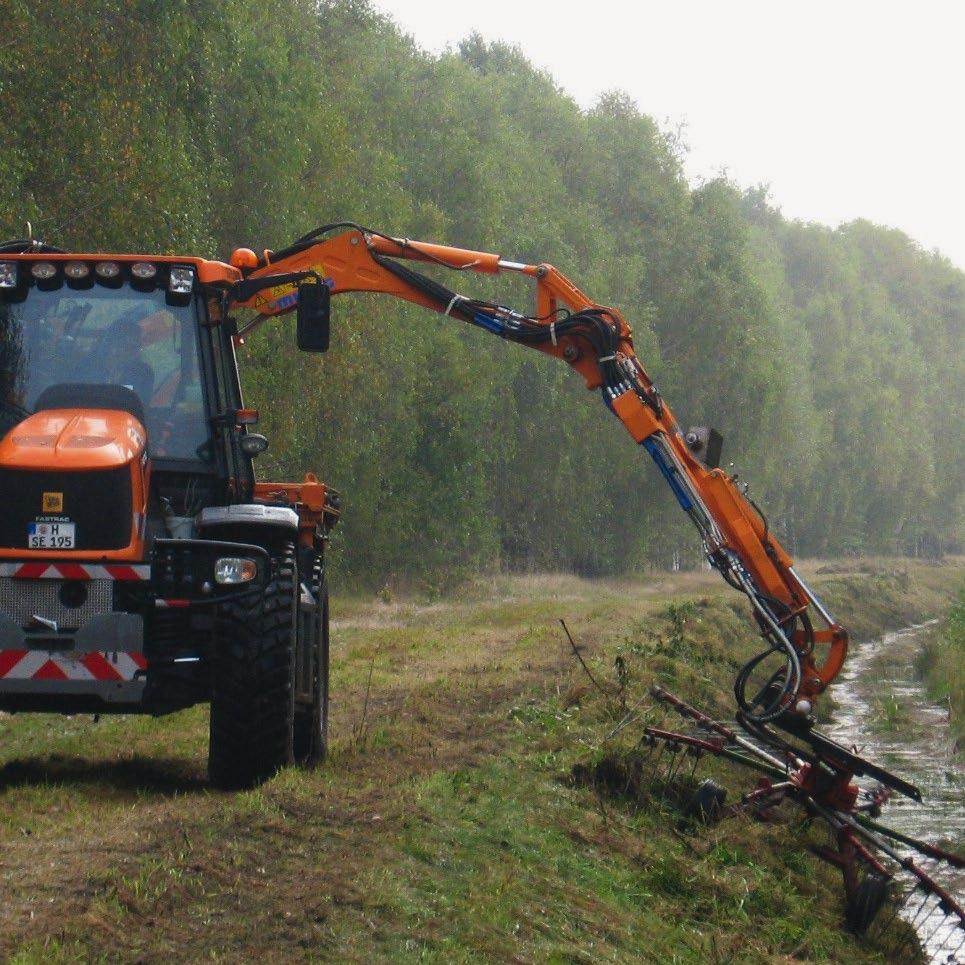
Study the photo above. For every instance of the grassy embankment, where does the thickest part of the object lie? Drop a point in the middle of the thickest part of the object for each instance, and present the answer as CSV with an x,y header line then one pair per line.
x,y
943,664
445,826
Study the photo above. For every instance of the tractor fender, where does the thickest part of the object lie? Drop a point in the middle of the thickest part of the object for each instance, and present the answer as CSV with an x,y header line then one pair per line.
x,y
266,526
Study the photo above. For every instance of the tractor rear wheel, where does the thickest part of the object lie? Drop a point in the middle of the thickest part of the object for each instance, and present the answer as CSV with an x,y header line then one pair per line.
x,y
311,718
252,693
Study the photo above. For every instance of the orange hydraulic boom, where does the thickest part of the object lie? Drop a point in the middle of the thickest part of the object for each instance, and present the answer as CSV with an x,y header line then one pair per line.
x,y
598,343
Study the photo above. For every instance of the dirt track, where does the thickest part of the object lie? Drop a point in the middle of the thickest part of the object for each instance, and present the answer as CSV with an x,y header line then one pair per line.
x,y
112,813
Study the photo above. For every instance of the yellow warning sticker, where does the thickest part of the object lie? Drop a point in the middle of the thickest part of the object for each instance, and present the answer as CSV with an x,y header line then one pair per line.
x,y
53,502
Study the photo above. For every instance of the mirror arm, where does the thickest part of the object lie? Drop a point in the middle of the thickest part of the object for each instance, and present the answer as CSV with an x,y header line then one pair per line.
x,y
243,291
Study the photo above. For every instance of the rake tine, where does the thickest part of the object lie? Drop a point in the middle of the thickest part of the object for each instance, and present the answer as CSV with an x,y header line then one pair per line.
x,y
681,765
679,759
666,768
909,936
896,905
912,929
958,947
674,763
626,785
960,925
646,741
921,908
917,928
946,943
652,777
920,928
925,939
638,770
651,742
697,756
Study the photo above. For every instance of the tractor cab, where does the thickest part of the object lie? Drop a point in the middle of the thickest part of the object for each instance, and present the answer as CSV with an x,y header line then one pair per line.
x,y
142,567
58,345
112,365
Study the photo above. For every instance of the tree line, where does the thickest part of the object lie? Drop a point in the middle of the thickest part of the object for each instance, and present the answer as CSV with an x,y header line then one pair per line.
x,y
831,359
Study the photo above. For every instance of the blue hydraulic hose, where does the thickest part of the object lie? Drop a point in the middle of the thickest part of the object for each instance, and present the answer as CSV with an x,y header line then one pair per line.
x,y
488,322
670,473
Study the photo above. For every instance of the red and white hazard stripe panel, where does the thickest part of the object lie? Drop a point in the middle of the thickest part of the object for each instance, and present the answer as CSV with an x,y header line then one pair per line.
x,y
48,665
76,571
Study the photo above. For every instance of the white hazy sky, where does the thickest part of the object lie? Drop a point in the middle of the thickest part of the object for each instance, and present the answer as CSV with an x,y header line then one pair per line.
x,y
845,109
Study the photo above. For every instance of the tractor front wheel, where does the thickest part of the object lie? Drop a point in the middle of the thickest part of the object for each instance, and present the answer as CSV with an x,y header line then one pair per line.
x,y
252,694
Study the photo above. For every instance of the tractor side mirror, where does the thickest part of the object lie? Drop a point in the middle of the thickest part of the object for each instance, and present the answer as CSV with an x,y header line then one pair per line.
x,y
314,304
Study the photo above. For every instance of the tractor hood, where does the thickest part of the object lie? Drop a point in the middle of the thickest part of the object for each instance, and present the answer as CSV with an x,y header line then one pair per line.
x,y
71,439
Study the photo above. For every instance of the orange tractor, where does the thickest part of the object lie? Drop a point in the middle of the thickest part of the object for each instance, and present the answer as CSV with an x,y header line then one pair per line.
x,y
143,568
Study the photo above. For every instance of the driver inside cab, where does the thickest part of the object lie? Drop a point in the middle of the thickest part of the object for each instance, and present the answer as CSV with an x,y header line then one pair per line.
x,y
122,363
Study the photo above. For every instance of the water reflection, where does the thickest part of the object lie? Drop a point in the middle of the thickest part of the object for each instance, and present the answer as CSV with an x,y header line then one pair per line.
x,y
882,706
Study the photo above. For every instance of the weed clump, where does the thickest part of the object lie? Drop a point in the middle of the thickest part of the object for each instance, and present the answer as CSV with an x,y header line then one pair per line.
x,y
943,665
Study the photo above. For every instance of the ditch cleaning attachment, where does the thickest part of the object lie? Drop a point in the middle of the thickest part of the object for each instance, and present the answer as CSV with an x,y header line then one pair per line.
x,y
887,875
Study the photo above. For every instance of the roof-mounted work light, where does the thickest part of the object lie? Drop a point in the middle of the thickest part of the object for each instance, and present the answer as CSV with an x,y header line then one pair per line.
x,y
143,270
43,270
181,280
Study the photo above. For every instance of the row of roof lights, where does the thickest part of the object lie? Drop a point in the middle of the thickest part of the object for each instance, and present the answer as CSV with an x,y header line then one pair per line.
x,y
180,277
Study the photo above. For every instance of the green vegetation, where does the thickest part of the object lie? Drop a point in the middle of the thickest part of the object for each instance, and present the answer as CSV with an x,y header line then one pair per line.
x,y
446,826
943,662
830,359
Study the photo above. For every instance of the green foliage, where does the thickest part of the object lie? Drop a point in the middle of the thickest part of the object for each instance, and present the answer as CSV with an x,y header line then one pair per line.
x,y
831,360
944,665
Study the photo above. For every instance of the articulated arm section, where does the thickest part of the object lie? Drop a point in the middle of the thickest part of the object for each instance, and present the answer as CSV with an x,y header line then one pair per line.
x,y
598,343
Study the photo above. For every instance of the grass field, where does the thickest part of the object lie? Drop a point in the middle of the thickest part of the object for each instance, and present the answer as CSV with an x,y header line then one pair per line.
x,y
446,825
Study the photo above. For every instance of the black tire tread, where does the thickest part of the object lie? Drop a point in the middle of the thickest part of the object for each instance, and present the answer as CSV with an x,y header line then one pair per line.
x,y
251,700
707,803
311,724
862,907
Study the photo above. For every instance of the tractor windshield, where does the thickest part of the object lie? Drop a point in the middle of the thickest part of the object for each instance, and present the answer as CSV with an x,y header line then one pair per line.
x,y
103,336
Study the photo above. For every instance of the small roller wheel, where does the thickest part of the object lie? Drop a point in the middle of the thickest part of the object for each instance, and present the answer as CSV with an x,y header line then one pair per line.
x,y
707,803
863,906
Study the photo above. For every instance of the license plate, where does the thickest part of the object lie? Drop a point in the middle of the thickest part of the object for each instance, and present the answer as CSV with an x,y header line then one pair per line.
x,y
50,536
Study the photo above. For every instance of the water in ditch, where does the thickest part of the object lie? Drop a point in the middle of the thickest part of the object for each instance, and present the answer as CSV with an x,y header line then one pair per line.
x,y
882,707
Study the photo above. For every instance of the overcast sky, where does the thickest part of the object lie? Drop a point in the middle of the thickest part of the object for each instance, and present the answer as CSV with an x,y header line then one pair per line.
x,y
846,109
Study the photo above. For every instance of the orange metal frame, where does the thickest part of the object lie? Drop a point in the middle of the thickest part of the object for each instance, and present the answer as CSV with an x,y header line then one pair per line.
x,y
310,498
83,441
345,261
